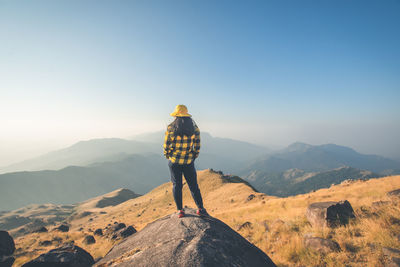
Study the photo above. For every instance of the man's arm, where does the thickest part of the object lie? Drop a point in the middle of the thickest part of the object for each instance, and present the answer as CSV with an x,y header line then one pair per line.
x,y
196,146
167,144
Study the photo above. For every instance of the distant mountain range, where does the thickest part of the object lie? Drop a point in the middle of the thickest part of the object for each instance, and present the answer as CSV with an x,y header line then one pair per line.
x,y
84,153
220,153
320,158
300,168
107,164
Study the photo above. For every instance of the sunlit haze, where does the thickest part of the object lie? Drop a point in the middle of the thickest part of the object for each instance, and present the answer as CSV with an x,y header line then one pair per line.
x,y
266,72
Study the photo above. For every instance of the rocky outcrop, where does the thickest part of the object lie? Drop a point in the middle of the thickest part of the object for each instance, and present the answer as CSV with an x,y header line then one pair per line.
x,y
321,245
7,248
62,228
329,214
124,232
394,193
65,256
189,241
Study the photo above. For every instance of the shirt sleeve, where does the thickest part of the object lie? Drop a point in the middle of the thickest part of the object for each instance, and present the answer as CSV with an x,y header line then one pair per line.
x,y
196,146
167,144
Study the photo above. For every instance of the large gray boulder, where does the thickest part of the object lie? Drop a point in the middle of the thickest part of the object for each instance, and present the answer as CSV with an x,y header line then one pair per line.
x,y
329,214
7,248
7,245
65,256
189,241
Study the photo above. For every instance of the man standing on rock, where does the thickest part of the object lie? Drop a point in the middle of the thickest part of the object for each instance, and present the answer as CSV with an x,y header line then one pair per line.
x,y
181,148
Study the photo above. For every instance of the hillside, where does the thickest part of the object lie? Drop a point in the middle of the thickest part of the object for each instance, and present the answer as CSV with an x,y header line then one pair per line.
x,y
275,225
74,184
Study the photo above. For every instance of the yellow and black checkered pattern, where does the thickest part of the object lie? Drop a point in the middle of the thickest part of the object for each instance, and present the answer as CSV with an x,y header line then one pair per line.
x,y
181,150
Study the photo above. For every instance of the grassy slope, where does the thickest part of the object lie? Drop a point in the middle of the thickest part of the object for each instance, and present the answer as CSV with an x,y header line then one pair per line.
x,y
278,224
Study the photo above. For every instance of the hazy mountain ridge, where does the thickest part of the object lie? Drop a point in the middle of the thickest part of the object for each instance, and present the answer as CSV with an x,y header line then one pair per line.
x,y
84,153
73,184
214,152
320,158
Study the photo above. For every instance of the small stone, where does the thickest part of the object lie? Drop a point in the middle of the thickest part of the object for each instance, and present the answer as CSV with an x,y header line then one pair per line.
x,y
118,226
98,231
394,220
321,244
250,197
62,228
89,239
128,231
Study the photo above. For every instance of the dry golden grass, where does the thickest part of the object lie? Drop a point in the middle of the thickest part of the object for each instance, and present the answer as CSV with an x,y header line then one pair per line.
x,y
277,224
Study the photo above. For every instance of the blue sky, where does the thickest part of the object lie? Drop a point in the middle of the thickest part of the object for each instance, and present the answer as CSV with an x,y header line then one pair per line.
x,y
269,72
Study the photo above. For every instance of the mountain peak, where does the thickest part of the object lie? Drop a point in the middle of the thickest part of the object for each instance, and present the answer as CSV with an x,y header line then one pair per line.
x,y
298,146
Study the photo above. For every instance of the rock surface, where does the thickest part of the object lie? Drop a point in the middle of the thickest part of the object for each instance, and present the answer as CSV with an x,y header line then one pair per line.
x,y
329,214
189,241
321,244
65,256
394,193
7,248
7,245
6,261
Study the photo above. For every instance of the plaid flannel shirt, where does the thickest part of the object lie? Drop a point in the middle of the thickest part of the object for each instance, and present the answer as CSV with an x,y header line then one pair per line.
x,y
181,150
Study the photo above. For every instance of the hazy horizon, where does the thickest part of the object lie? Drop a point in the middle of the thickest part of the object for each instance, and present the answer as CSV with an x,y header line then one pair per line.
x,y
269,72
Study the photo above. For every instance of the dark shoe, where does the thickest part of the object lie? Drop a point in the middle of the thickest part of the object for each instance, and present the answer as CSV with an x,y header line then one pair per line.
x,y
181,214
202,212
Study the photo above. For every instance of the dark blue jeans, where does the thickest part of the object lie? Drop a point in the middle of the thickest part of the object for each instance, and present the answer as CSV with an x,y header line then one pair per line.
x,y
189,171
